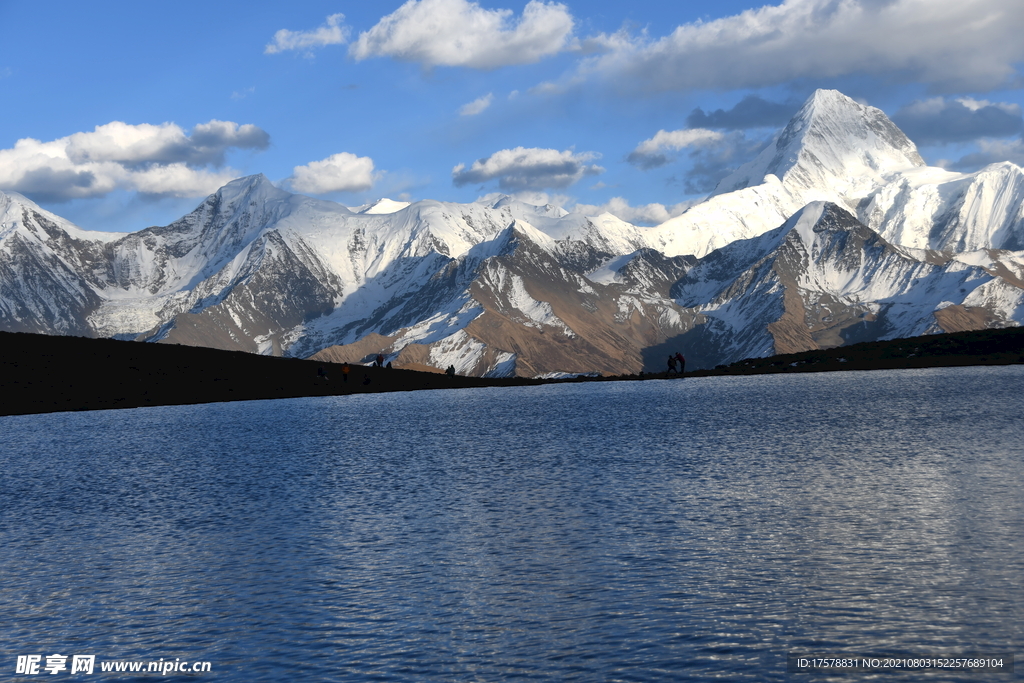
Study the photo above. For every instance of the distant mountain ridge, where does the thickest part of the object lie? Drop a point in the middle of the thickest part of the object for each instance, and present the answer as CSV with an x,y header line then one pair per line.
x,y
837,231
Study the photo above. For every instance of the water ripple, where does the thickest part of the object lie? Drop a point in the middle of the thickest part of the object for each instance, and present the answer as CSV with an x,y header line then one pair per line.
x,y
627,531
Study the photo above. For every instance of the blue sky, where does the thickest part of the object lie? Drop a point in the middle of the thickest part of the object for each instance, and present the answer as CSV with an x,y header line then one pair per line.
x,y
120,115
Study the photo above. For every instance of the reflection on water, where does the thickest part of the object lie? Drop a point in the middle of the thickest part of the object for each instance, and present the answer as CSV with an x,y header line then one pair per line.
x,y
621,531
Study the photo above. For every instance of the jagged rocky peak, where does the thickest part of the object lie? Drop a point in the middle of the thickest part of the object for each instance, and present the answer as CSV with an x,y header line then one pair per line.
x,y
832,143
517,233
821,217
244,203
253,189
17,209
501,201
12,204
831,117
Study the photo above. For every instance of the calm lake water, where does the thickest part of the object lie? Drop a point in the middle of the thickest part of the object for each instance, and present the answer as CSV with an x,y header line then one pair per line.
x,y
641,531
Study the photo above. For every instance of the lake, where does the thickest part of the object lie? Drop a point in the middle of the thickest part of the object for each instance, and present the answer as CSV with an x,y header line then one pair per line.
x,y
627,531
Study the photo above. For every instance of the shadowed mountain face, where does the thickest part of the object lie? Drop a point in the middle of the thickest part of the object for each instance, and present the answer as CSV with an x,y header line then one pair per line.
x,y
835,233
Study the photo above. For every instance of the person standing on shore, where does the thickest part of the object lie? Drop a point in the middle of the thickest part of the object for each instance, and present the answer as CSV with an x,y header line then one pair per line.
x,y
345,369
682,362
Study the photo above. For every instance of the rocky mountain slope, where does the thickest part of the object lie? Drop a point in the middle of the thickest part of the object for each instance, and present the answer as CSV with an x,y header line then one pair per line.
x,y
836,232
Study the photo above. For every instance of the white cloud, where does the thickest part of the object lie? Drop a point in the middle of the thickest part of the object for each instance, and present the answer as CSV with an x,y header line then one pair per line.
x,y
242,94
650,153
331,33
178,180
461,33
528,168
977,105
153,159
678,139
163,144
477,106
969,45
342,172
712,154
650,214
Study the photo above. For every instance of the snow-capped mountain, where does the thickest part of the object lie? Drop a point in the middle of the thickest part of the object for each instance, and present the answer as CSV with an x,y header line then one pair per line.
x,y
837,150
836,232
824,279
259,269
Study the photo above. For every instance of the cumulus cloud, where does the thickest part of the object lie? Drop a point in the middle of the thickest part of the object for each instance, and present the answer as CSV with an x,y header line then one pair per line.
x,y
476,106
461,33
645,214
951,45
750,112
342,172
146,144
938,120
528,168
160,160
331,33
650,153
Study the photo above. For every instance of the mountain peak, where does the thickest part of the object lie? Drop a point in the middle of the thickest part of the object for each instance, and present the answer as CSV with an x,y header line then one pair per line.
x,y
257,183
835,116
254,189
9,197
382,206
823,98
821,217
833,146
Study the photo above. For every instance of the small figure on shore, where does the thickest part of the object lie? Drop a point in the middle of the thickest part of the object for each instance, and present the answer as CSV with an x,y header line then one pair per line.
x,y
671,366
388,366
682,362
320,372
450,371
345,369
380,360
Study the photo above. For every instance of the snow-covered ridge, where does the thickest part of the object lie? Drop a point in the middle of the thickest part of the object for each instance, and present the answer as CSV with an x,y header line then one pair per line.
x,y
836,226
381,206
356,261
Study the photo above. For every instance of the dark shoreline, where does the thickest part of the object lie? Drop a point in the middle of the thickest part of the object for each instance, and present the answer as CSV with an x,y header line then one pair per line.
x,y
43,374
978,347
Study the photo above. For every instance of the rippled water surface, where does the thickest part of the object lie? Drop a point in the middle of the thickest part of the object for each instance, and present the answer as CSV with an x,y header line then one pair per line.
x,y
635,531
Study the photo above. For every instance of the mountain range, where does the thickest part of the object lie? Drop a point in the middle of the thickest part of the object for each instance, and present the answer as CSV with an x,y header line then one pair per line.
x,y
837,232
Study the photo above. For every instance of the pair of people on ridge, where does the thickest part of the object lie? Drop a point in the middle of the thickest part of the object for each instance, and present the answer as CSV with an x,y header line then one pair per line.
x,y
676,363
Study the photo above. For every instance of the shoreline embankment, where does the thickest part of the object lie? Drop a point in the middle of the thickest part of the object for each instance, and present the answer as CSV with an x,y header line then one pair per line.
x,y
44,374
